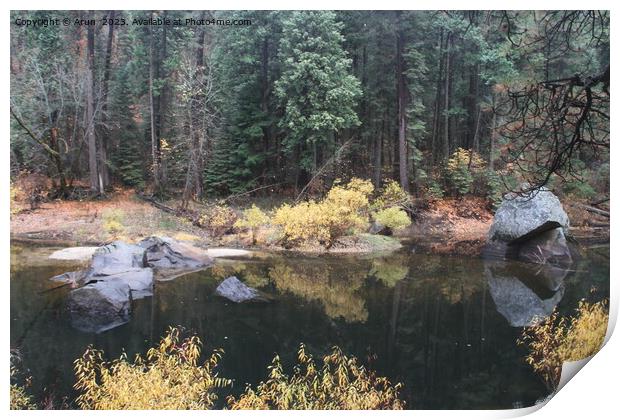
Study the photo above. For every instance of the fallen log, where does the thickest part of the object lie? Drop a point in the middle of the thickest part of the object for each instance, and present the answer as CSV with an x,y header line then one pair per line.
x,y
594,210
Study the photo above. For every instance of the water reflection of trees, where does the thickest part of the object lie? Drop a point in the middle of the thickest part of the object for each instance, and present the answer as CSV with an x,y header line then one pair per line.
x,y
336,288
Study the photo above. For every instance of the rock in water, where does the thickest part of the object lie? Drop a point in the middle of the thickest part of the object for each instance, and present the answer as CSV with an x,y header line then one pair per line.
x,y
139,280
117,256
120,272
100,306
167,253
233,289
78,253
530,227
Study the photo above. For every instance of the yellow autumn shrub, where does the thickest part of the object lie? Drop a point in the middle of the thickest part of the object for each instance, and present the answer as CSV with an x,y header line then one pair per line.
x,y
393,218
19,399
391,195
113,221
218,220
170,378
560,339
340,384
253,218
344,210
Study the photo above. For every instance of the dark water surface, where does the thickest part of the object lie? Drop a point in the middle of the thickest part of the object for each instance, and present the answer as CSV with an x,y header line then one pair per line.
x,y
444,326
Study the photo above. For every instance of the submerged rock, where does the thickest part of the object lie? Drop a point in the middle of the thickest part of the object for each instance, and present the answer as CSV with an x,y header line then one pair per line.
x,y
530,227
100,306
233,289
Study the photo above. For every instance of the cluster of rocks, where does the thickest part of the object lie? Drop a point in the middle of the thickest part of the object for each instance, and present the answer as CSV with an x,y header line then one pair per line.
x,y
119,273
530,228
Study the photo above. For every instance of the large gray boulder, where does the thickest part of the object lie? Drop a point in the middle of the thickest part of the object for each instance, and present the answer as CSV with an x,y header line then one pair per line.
x,y
233,289
139,280
117,256
531,227
99,306
167,253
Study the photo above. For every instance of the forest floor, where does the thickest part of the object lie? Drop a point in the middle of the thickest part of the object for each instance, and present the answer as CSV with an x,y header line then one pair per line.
x,y
448,226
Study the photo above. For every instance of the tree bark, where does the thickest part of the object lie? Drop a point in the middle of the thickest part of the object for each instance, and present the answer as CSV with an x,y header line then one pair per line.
x,y
437,108
193,179
105,140
493,136
96,182
446,133
155,146
402,110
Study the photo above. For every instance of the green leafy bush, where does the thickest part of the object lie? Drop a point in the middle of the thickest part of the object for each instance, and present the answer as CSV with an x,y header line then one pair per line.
x,y
494,188
461,170
434,190
340,384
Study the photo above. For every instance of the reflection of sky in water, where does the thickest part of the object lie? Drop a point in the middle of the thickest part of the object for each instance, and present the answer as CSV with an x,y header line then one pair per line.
x,y
440,325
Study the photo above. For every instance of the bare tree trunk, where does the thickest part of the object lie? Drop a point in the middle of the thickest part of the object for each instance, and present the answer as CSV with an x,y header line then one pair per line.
x,y
402,110
103,162
493,136
446,140
193,179
154,140
437,109
378,153
96,183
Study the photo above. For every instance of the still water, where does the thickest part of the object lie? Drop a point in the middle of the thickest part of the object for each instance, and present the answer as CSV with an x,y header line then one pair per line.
x,y
446,327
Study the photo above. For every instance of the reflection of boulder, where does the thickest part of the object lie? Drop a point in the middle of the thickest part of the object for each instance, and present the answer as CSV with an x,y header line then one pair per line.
x,y
530,227
233,289
523,292
100,306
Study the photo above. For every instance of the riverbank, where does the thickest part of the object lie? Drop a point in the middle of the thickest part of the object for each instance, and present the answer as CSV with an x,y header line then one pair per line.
x,y
447,227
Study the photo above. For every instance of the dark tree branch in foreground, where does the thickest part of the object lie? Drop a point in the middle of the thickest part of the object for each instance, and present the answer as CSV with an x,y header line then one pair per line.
x,y
549,122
